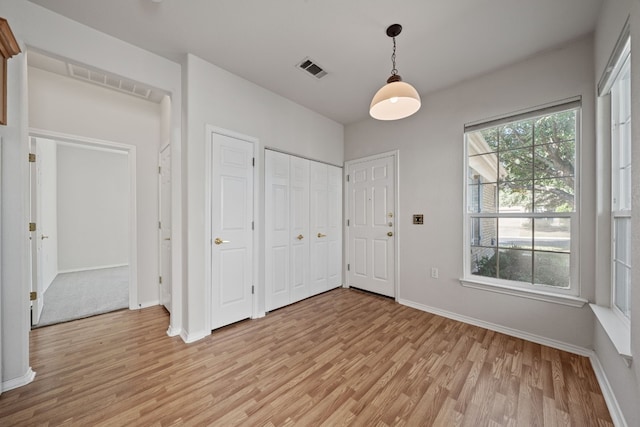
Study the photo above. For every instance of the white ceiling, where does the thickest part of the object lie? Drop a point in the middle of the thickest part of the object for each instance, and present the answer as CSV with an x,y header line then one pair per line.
x,y
442,42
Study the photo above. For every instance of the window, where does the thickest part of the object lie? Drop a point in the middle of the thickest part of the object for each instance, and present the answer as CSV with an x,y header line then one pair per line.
x,y
521,218
621,186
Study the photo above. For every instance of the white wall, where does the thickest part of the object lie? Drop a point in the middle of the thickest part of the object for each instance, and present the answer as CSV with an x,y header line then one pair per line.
x,y
431,163
221,99
70,106
42,29
93,208
625,381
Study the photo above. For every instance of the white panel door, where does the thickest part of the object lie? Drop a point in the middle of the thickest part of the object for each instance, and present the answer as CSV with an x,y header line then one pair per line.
x,y
299,229
165,227
372,226
231,226
277,230
319,244
334,226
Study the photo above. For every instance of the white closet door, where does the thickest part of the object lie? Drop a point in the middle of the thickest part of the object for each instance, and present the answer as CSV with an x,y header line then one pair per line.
x,y
299,236
334,226
277,233
319,249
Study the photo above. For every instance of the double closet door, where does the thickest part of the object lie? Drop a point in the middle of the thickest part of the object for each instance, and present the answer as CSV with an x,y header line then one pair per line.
x,y
303,238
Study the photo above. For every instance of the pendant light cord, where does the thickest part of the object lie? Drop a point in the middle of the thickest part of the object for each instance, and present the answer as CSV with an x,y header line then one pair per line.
x,y
393,58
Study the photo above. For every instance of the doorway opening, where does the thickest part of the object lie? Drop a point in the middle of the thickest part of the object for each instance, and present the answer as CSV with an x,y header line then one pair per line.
x,y
84,242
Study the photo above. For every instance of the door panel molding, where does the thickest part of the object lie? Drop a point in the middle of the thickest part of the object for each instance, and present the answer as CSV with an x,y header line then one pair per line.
x,y
257,284
358,266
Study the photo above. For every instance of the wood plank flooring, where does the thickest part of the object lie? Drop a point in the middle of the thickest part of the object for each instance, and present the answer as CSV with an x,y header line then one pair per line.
x,y
341,358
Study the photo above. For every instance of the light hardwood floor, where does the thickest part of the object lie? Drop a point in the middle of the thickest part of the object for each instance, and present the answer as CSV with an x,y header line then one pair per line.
x,y
341,358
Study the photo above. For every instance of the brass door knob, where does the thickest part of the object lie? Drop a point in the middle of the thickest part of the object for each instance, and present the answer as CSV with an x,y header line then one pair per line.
x,y
300,237
219,241
321,235
390,234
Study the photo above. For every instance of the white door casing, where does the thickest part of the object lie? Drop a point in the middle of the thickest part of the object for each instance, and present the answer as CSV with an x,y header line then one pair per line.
x,y
165,227
372,225
231,229
334,226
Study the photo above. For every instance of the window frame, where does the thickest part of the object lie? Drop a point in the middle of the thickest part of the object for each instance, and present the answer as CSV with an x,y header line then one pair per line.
x,y
568,296
622,64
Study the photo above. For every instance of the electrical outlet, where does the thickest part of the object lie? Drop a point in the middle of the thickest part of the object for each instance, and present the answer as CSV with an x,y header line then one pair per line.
x,y
434,273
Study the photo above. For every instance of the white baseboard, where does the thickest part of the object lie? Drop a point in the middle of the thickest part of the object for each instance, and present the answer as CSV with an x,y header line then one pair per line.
x,y
571,348
612,403
146,305
100,267
189,338
173,332
20,381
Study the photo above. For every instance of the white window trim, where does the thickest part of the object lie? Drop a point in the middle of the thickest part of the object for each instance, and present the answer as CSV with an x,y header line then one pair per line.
x,y
615,324
569,297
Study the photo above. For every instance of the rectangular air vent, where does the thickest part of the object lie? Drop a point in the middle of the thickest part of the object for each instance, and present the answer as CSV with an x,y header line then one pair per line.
x,y
312,68
112,82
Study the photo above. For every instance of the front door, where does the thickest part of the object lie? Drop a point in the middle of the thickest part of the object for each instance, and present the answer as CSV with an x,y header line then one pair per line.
x,y
165,227
232,230
372,228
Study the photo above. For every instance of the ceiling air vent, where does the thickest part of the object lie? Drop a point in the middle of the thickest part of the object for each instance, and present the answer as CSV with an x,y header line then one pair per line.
x,y
312,68
109,81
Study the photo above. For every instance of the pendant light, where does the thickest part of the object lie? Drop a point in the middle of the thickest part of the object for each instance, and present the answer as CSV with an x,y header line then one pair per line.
x,y
397,99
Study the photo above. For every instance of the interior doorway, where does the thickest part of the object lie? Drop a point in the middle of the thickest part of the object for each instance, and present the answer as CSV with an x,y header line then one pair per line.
x,y
83,238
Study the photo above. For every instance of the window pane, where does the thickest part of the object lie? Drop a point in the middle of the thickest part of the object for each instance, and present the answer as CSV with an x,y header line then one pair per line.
x,y
554,195
552,234
556,127
622,239
483,262
551,269
516,164
622,288
484,167
515,233
516,196
554,160
482,198
515,135
514,264
483,232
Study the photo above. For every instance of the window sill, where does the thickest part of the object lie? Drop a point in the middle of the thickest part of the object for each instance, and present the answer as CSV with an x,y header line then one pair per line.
x,y
617,330
569,300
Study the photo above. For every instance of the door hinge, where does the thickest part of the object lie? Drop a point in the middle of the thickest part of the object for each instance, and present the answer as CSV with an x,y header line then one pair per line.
x,y
253,290
348,267
160,279
252,225
33,296
253,162
347,223
32,158
159,169
159,225
32,226
347,178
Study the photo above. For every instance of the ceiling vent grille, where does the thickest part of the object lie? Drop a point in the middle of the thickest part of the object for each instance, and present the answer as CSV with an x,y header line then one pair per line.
x,y
112,82
312,68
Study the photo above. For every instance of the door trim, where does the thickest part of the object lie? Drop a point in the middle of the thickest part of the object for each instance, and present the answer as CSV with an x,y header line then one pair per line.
x,y
257,192
133,224
395,155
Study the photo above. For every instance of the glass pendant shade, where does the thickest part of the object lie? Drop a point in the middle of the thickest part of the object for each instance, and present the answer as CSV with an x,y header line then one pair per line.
x,y
394,101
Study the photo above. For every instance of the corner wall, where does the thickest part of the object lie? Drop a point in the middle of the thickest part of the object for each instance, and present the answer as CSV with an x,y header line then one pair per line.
x,y
218,98
431,167
624,380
